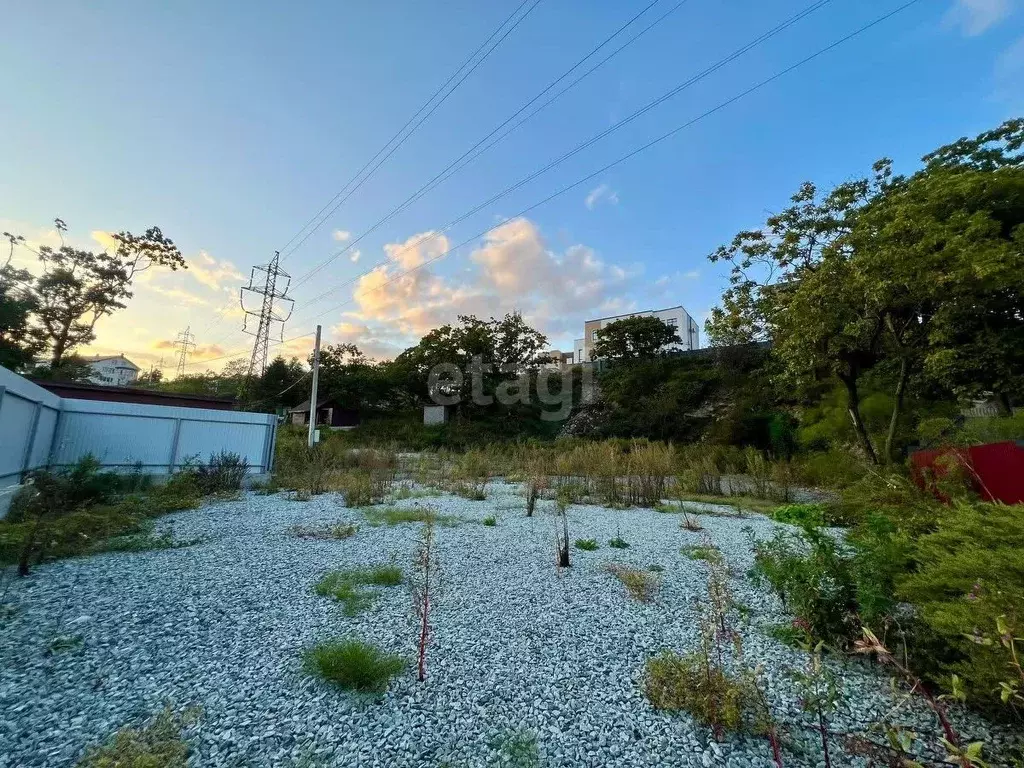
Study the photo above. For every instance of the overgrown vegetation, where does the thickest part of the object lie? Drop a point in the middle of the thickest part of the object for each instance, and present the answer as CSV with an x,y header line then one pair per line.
x,y
78,510
587,545
335,531
353,665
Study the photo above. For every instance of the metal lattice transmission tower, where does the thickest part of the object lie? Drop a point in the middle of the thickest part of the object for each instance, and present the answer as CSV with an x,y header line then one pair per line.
x,y
265,281
184,343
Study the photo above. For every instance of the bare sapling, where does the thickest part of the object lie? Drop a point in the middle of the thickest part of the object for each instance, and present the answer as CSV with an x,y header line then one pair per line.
x,y
562,531
819,692
426,584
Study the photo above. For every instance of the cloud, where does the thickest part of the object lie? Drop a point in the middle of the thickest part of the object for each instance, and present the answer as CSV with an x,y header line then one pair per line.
x,y
355,256
511,269
105,240
341,235
212,273
976,16
601,193
178,295
1009,73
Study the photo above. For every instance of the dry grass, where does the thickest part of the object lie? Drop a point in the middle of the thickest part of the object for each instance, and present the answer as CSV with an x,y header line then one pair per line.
x,y
641,585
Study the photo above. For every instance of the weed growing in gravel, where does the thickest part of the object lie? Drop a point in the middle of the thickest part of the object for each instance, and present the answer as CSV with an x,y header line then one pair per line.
x,y
63,644
587,545
344,586
516,749
353,664
144,541
405,492
490,520
819,692
641,585
426,583
618,543
690,523
157,744
687,683
331,531
400,515
705,552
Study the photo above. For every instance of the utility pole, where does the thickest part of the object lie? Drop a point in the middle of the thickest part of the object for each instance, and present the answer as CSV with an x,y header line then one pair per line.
x,y
184,343
312,394
265,285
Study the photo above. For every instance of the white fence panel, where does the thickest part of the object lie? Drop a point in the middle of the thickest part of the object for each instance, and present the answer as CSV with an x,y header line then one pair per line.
x,y
159,437
28,416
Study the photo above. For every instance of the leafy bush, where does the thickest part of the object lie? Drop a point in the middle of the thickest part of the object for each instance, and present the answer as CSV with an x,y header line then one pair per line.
x,y
714,698
641,585
353,664
158,744
813,578
804,515
490,520
587,545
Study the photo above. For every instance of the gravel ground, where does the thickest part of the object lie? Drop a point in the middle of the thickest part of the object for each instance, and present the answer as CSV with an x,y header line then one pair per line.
x,y
518,647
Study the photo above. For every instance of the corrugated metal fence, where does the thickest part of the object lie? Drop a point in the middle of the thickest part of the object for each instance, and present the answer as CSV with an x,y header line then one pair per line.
x,y
39,429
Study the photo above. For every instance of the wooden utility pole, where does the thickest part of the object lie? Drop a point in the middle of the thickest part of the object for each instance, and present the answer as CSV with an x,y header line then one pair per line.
x,y
312,394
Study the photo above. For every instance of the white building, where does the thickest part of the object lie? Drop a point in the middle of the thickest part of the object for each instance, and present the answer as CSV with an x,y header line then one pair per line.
x,y
114,370
675,317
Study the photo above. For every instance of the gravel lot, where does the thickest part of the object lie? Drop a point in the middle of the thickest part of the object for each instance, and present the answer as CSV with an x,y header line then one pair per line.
x,y
519,646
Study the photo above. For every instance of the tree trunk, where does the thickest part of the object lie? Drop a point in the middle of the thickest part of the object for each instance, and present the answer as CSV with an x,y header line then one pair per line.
x,y
1005,409
60,346
853,398
897,408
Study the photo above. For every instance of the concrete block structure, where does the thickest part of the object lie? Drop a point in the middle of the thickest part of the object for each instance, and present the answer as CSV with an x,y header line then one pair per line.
x,y
676,317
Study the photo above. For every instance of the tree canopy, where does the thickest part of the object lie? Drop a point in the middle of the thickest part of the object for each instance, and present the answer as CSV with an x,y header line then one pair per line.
x,y
633,338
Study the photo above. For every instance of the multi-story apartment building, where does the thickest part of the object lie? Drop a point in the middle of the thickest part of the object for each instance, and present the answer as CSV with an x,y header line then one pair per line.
x,y
114,370
675,317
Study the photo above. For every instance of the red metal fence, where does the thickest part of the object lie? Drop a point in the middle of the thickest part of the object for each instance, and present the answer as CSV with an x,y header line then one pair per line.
x,y
996,470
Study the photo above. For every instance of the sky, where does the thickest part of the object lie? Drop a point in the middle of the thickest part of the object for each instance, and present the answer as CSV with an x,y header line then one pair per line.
x,y
231,129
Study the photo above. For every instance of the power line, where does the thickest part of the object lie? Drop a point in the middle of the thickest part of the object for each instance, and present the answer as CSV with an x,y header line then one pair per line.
x,y
462,161
642,148
708,71
334,202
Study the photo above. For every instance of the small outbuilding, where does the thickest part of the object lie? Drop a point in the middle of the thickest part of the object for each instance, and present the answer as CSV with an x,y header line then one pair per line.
x,y
329,413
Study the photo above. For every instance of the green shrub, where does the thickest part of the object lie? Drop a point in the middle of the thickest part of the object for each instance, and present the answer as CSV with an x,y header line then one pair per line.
x,y
516,749
158,744
685,683
814,579
490,520
804,515
587,545
353,664
618,543
835,468
967,574
881,556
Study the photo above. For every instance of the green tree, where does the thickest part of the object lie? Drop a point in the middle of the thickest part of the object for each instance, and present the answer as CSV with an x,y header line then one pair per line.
x,y
279,386
16,304
78,287
792,284
633,338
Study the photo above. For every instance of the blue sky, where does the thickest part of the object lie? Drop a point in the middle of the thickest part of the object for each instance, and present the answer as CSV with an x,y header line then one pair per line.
x,y
230,129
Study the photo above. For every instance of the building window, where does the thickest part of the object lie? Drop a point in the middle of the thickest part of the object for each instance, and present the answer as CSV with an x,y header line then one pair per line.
x,y
593,335
672,323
